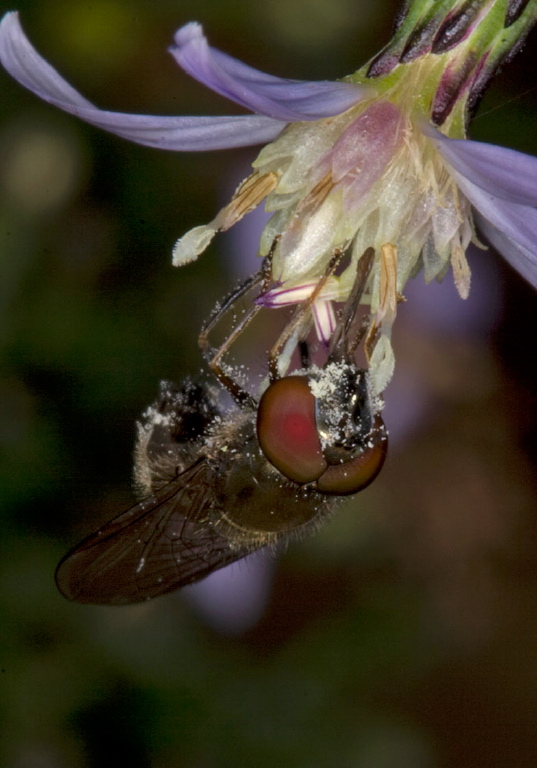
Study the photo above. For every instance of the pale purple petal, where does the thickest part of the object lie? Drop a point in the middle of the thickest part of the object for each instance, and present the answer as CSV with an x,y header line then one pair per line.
x,y
511,228
505,173
175,133
325,320
283,297
519,257
289,100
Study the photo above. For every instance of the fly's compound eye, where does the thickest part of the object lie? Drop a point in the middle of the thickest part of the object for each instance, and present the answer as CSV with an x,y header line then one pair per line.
x,y
288,435
287,429
357,473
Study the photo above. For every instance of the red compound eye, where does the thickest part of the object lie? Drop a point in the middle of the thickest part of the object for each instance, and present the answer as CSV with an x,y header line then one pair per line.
x,y
355,475
287,430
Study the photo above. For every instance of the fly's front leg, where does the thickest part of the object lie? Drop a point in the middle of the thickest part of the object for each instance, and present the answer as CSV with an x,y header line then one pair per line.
x,y
351,328
214,355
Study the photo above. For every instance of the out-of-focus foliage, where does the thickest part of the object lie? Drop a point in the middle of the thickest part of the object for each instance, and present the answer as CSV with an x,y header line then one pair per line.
x,y
403,635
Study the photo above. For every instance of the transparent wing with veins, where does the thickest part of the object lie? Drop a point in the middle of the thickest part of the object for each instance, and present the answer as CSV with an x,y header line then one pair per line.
x,y
163,543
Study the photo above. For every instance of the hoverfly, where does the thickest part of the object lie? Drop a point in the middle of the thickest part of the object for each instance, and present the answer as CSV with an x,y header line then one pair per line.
x,y
222,483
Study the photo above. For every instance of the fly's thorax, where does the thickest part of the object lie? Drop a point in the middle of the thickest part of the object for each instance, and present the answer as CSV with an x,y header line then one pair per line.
x,y
172,433
260,505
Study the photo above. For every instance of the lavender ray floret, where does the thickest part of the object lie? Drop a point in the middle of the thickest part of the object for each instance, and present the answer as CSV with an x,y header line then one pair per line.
x,y
282,99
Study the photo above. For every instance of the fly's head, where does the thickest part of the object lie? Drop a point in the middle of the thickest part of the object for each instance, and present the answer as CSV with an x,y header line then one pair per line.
x,y
324,427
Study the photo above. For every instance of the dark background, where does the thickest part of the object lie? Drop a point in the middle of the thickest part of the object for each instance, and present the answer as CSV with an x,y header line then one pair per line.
x,y
404,635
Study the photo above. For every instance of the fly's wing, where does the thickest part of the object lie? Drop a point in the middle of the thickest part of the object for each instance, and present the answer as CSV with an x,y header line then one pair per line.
x,y
165,542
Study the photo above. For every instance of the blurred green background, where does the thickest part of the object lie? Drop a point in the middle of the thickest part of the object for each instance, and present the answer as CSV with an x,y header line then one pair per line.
x,y
404,635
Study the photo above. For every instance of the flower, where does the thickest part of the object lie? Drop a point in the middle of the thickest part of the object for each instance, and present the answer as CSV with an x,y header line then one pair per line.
x,y
378,160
